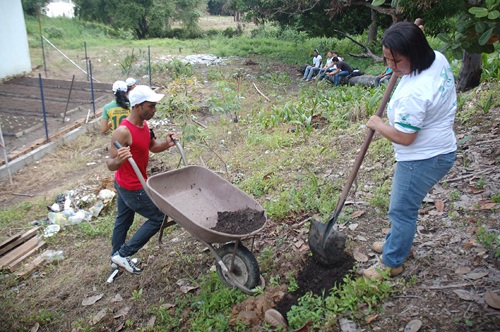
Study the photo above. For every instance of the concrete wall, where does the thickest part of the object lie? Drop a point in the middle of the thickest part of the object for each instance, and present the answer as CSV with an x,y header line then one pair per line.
x,y
15,53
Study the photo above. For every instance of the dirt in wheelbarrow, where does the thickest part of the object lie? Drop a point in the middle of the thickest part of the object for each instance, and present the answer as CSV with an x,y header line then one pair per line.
x,y
239,222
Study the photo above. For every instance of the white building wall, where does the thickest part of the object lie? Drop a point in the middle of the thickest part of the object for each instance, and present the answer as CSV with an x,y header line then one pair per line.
x,y
14,48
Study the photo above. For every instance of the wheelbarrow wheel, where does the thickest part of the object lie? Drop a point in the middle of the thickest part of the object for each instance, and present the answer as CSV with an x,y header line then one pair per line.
x,y
245,268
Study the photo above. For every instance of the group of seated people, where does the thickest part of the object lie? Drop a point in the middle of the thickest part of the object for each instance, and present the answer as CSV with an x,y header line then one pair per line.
x,y
334,69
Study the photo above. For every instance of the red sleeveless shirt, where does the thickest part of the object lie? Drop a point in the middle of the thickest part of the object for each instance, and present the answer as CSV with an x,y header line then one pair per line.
x,y
141,139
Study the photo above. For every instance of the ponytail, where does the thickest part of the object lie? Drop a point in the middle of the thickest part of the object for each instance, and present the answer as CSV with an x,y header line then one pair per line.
x,y
122,99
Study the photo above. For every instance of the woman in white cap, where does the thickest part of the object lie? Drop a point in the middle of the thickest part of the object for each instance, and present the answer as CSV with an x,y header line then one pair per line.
x,y
117,110
131,83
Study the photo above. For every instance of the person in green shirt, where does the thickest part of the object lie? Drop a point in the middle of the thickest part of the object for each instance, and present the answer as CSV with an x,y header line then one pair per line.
x,y
117,110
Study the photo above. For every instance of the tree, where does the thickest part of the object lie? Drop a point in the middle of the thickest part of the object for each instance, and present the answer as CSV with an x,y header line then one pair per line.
x,y
477,31
30,7
146,18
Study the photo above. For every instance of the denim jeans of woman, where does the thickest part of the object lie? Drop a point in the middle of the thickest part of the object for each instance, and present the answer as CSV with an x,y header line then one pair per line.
x,y
412,181
129,202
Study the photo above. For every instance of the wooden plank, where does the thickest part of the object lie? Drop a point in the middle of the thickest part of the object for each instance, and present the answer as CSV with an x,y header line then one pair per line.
x,y
18,252
10,239
28,269
17,263
23,238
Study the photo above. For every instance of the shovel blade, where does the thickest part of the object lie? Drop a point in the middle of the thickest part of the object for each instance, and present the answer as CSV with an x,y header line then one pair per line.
x,y
327,249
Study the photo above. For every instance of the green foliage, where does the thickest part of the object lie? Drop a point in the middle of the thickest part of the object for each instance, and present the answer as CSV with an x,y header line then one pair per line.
x,y
496,198
226,100
31,7
381,196
475,27
489,239
491,66
347,297
207,310
130,59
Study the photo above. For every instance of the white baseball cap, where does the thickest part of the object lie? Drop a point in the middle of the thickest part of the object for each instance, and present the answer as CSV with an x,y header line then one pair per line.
x,y
119,86
131,81
142,93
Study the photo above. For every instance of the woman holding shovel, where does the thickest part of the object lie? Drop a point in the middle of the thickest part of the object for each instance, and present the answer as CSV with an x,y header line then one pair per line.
x,y
421,114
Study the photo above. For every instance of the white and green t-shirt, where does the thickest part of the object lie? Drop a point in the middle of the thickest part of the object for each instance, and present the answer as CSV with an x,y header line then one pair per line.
x,y
425,103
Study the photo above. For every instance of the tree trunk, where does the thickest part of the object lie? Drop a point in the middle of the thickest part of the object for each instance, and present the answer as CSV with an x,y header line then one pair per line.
x,y
372,32
470,73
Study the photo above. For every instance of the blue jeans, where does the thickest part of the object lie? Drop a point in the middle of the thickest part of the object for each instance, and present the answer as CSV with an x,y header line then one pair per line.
x,y
310,71
412,181
336,77
129,202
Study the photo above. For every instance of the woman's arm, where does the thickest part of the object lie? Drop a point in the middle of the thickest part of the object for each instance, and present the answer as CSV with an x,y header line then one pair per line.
x,y
389,132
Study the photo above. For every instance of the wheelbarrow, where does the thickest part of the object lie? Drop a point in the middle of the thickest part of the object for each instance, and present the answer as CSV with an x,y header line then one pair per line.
x,y
194,197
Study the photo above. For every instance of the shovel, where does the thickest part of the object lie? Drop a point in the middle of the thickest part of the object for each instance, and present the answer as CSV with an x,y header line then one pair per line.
x,y
327,245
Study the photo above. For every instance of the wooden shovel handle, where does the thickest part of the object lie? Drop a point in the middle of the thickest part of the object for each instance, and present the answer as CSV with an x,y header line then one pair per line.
x,y
361,156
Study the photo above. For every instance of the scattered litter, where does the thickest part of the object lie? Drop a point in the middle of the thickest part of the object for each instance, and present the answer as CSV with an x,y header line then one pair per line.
x,y
53,255
106,195
50,230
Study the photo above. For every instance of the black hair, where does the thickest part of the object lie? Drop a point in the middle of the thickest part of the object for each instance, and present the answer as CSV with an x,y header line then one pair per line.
x,y
407,39
335,59
122,99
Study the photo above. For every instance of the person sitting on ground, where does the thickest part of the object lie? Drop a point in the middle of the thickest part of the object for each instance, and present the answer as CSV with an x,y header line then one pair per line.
x,y
315,68
343,69
117,110
329,66
384,76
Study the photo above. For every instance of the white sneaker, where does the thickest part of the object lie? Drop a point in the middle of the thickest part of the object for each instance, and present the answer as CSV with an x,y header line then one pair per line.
x,y
126,263
135,260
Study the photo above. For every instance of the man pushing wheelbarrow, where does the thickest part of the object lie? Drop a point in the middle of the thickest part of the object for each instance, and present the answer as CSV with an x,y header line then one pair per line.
x,y
136,140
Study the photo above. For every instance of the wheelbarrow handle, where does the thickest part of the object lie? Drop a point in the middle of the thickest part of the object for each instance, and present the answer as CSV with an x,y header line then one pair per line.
x,y
136,169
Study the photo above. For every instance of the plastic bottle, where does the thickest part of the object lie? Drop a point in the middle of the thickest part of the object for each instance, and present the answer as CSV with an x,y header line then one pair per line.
x,y
57,218
78,217
53,256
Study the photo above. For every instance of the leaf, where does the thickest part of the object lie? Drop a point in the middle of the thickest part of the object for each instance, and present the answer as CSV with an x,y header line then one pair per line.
x,y
464,294
122,312
359,256
492,299
413,326
356,214
478,11
274,318
476,275
463,270
352,227
100,315
377,3
487,205
439,206
151,321
493,15
485,37
371,319
117,298
91,300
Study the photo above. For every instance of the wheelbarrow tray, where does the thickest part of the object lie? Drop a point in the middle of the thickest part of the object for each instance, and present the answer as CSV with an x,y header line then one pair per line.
x,y
192,196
